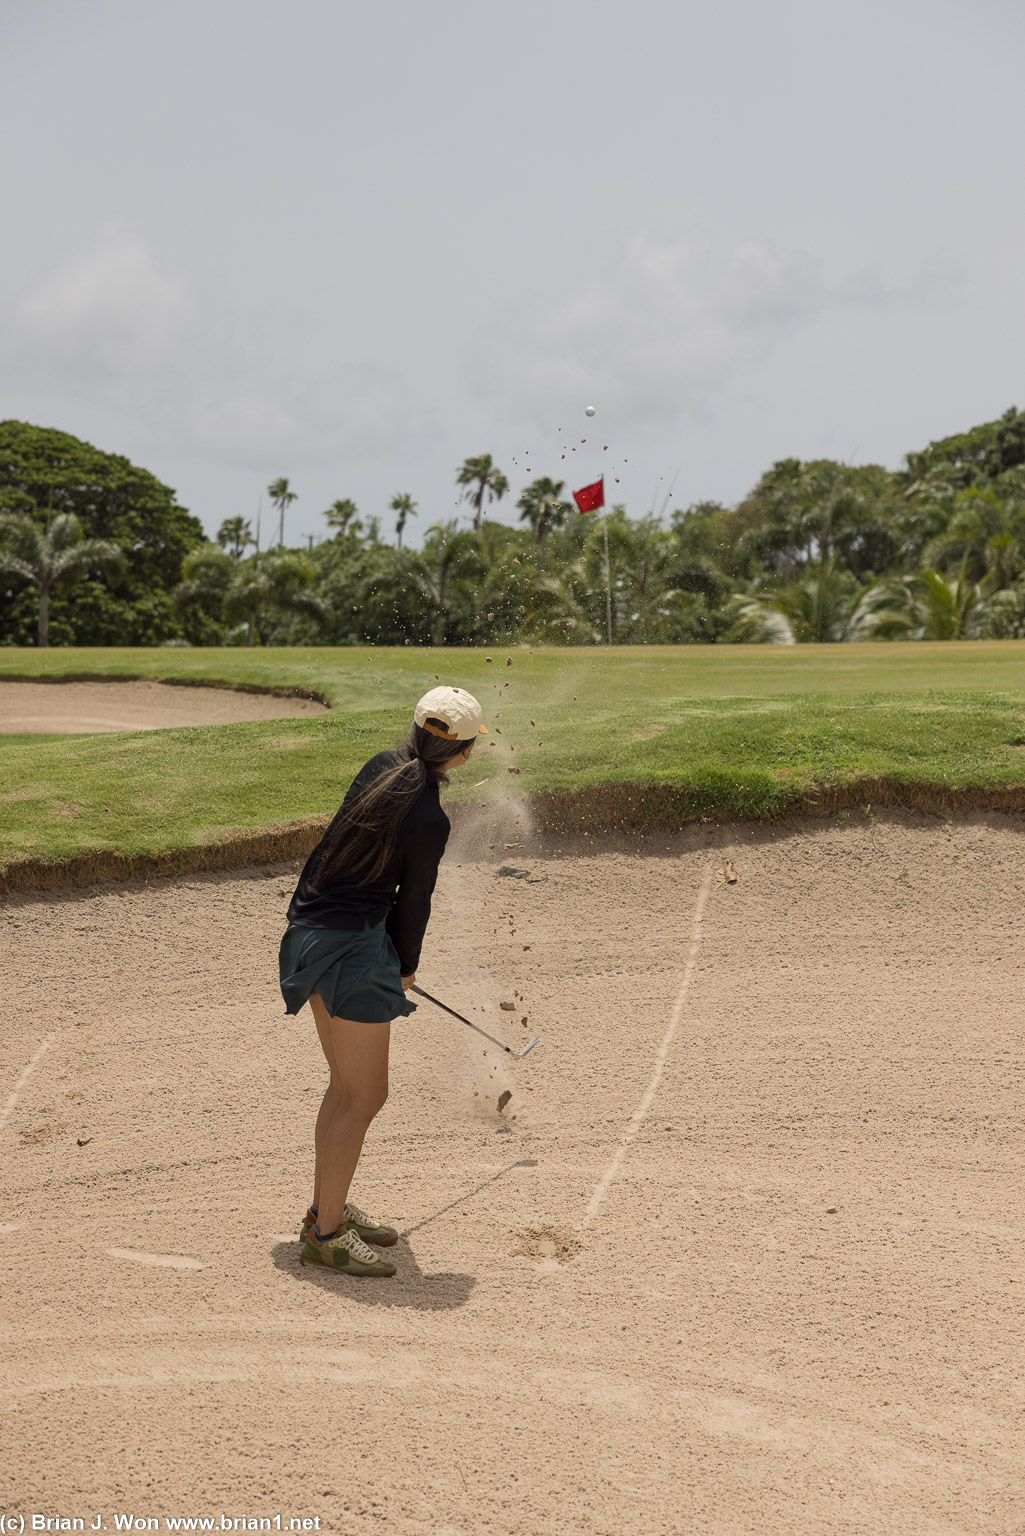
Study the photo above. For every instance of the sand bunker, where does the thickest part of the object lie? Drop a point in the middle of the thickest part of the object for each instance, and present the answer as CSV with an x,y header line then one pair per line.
x,y
82,708
794,1311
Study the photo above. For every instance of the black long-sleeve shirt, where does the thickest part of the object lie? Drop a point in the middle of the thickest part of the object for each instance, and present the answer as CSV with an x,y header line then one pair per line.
x,y
403,890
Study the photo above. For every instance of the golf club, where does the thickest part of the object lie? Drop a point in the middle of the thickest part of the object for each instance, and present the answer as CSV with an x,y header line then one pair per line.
x,y
444,1006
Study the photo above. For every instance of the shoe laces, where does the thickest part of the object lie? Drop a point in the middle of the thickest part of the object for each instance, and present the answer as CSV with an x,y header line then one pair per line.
x,y
356,1246
353,1213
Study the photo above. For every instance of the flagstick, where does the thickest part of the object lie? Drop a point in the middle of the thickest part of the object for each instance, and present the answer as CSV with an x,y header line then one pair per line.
x,y
592,506
608,570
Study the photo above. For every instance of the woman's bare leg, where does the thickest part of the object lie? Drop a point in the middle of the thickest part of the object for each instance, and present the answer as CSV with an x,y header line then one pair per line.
x,y
357,1057
328,1105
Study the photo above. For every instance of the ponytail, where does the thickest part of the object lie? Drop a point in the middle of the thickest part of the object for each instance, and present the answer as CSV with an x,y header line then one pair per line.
x,y
364,839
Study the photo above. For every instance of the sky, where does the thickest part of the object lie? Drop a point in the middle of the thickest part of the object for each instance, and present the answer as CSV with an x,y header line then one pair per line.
x,y
354,244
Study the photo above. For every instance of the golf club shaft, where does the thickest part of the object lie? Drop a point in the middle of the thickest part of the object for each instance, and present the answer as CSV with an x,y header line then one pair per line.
x,y
446,1009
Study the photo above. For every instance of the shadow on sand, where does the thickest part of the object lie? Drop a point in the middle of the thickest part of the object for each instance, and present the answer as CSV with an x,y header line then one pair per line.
x,y
409,1288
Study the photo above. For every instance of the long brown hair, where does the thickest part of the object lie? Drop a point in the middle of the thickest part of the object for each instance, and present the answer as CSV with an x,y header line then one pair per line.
x,y
364,840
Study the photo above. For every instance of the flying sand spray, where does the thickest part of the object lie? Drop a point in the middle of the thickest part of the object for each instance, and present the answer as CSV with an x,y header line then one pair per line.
x,y
589,410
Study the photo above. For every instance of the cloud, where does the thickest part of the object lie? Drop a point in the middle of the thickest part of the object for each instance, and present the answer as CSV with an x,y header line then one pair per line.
x,y
110,322
361,411
661,331
108,310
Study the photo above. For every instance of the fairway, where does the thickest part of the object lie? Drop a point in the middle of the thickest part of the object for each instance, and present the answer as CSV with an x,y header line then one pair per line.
x,y
742,1253
347,674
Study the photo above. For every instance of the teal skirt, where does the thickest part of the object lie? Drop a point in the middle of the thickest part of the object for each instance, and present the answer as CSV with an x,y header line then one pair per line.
x,y
356,974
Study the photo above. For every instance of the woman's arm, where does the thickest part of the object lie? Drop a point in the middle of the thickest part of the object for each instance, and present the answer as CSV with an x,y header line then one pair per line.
x,y
407,921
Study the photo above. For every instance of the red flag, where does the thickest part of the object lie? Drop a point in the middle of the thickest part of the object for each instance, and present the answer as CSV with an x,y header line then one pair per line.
x,y
590,497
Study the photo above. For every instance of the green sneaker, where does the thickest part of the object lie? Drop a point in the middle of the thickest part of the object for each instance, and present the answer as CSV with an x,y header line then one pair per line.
x,y
369,1230
345,1251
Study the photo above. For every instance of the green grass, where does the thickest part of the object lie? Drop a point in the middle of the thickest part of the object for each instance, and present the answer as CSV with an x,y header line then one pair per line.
x,y
720,731
347,676
32,738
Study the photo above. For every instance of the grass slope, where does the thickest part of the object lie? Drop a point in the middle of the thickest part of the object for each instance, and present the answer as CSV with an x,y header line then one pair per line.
x,y
650,733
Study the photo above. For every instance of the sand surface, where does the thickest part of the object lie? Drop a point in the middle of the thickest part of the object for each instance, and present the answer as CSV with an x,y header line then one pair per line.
x,y
81,708
762,1275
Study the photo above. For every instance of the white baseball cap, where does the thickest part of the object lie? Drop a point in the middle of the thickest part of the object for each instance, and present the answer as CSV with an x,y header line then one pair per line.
x,y
456,708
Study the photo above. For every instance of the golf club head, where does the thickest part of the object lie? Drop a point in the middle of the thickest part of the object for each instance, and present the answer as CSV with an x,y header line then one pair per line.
x,y
500,1043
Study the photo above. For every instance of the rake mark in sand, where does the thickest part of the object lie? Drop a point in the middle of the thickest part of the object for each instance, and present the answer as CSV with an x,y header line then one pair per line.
x,y
159,1260
23,1078
639,1114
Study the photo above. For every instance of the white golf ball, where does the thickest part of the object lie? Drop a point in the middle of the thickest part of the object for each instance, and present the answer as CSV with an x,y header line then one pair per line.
x,y
589,410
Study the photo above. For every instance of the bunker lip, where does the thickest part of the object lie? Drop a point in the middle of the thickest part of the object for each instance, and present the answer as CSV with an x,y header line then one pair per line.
x,y
238,848
666,807
276,690
560,822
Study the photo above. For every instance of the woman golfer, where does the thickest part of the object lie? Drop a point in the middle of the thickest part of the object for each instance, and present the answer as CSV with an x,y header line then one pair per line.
x,y
355,927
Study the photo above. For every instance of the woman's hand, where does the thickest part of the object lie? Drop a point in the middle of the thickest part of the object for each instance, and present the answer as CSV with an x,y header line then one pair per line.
x,y
407,982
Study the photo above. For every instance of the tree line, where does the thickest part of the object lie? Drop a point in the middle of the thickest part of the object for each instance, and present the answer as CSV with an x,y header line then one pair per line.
x,y
94,551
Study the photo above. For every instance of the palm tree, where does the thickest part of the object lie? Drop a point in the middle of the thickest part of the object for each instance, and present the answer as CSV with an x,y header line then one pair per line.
x,y
921,514
482,478
52,560
564,611
541,507
206,573
1005,615
986,532
818,607
279,580
757,621
235,535
645,590
405,506
444,575
925,605
281,497
830,507
812,511
947,608
342,516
